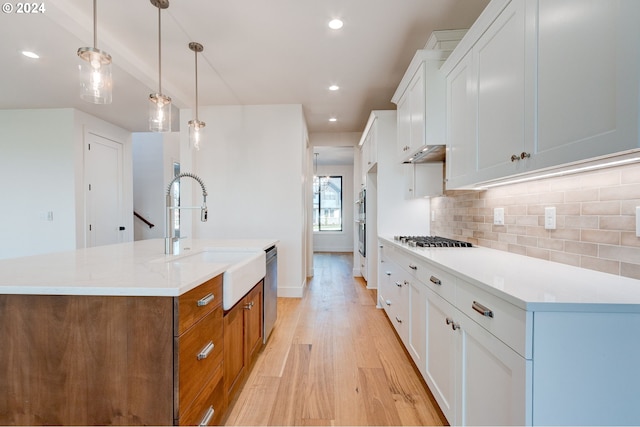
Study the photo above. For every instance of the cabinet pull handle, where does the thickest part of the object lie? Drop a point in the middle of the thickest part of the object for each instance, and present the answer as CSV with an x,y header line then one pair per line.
x,y
205,300
525,155
207,417
249,306
453,324
399,284
413,266
398,319
388,302
435,280
388,273
514,158
204,353
485,311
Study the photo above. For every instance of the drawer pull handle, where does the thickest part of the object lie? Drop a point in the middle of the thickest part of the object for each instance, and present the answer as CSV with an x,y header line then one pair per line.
x,y
207,417
413,266
388,273
485,311
204,353
249,306
398,319
435,280
205,300
388,302
399,284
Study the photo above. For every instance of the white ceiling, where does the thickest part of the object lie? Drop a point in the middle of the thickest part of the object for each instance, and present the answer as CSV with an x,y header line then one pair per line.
x,y
255,52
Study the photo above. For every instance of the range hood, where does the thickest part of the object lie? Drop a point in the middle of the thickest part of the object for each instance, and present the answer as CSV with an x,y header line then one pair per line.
x,y
428,154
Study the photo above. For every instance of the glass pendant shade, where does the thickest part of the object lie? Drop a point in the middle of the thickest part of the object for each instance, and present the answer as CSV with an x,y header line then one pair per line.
x,y
196,131
95,75
159,113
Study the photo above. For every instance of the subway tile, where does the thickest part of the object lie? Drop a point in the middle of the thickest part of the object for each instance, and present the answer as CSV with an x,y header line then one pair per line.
x,y
623,223
601,208
552,197
552,244
630,239
565,234
622,192
537,231
568,209
538,253
565,258
619,253
604,265
517,249
580,248
628,207
516,210
630,270
516,229
630,174
527,220
600,236
535,210
582,195
508,238
528,241
578,222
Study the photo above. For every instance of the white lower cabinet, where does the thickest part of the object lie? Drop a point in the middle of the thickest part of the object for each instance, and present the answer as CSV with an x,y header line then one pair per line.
x,y
474,376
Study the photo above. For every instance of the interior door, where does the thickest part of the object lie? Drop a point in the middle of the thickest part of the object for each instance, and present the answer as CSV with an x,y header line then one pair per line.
x,y
103,177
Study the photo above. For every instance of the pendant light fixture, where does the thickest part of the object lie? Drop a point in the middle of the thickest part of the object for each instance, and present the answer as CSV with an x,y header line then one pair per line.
x,y
95,69
159,104
196,127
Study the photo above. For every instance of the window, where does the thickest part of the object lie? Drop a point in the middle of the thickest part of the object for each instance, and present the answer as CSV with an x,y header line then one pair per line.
x,y
327,203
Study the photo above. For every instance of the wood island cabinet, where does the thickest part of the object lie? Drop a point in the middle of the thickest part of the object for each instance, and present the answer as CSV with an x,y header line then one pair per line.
x,y
112,360
242,339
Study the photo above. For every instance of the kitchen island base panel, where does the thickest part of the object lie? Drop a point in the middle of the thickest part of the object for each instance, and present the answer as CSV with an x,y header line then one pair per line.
x,y
86,360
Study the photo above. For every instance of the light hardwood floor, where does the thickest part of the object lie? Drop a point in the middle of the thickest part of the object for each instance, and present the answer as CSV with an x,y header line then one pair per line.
x,y
333,359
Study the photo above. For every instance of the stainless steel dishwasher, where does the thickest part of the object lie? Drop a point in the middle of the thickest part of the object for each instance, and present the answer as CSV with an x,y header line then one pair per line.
x,y
270,294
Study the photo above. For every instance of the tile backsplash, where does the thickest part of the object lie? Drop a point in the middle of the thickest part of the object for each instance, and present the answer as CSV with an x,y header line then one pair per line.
x,y
595,219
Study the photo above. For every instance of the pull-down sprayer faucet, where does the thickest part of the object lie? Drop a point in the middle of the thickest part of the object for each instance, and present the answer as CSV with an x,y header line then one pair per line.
x,y
170,240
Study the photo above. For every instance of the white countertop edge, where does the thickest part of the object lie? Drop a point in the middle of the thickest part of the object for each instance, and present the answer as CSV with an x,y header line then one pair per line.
x,y
584,298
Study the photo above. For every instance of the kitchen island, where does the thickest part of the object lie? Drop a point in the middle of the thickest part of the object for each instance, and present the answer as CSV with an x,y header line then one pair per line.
x,y
505,339
119,334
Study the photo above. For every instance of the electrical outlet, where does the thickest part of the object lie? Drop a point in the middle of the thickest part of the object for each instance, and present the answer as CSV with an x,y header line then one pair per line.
x,y
550,218
498,216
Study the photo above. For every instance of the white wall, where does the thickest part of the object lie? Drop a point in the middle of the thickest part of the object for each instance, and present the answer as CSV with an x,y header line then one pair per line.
x,y
252,161
339,241
153,158
38,173
42,169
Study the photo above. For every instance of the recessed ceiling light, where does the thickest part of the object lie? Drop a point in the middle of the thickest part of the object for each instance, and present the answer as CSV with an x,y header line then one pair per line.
x,y
31,55
334,87
336,24
333,119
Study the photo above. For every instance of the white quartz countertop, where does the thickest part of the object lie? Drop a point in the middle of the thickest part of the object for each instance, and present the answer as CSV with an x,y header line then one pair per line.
x,y
127,269
533,284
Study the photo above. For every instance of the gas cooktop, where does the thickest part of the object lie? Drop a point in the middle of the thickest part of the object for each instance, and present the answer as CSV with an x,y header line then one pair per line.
x,y
432,242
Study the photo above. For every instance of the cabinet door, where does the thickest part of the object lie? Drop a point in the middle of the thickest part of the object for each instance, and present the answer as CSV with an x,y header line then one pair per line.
x,y
493,379
417,101
417,344
253,323
234,349
461,125
503,98
404,126
588,79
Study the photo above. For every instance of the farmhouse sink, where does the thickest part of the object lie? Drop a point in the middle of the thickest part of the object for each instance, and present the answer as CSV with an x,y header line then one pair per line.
x,y
246,268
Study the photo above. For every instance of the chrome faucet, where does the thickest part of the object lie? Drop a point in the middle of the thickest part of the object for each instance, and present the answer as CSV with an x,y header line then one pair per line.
x,y
171,241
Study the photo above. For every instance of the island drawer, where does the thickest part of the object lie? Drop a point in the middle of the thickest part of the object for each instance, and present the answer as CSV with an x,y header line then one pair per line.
x,y
198,302
208,406
502,319
199,354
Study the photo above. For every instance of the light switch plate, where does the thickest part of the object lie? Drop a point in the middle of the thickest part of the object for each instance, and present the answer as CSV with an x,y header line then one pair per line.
x,y
498,216
550,218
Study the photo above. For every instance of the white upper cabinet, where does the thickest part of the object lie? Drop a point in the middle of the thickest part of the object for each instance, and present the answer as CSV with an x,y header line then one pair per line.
x,y
588,79
421,98
541,83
